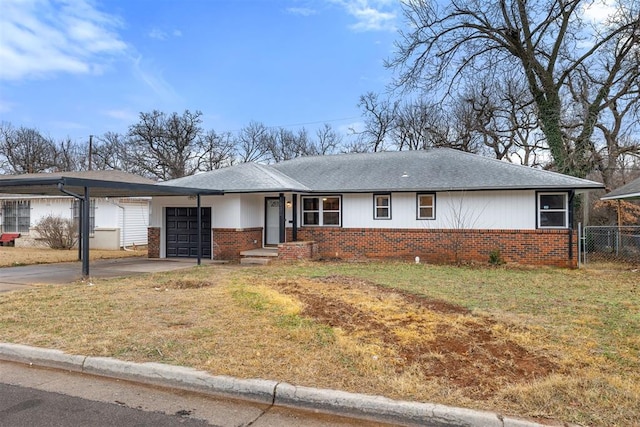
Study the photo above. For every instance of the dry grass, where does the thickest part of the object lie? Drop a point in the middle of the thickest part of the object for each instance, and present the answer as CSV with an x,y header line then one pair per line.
x,y
540,343
12,256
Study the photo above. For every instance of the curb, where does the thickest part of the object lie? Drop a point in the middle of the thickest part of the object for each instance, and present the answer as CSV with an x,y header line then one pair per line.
x,y
353,405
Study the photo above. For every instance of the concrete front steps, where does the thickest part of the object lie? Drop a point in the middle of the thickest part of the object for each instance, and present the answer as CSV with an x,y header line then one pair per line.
x,y
258,256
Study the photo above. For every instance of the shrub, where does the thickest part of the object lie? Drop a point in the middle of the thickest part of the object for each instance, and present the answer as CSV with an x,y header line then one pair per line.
x,y
57,232
495,258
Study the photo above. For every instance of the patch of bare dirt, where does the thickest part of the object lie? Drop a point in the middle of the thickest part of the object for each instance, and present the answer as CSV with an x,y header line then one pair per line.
x,y
442,340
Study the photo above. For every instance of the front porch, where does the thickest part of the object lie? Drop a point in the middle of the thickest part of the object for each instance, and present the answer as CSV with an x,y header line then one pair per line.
x,y
289,251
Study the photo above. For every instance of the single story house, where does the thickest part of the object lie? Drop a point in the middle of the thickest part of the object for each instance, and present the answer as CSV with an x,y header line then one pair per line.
x,y
114,222
440,205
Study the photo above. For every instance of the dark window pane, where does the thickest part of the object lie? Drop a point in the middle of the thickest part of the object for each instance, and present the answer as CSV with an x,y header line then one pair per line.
x,y
382,200
426,212
331,204
311,218
426,200
331,218
382,212
310,204
552,201
552,219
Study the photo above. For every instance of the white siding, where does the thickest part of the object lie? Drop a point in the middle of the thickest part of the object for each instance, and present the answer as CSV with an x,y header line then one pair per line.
x,y
226,212
133,222
43,207
107,214
466,210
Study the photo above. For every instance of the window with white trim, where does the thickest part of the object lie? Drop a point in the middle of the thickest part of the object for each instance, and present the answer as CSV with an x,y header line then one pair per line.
x,y
553,210
16,216
382,206
322,211
426,206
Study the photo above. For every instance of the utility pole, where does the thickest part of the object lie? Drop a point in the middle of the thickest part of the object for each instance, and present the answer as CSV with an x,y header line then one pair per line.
x,y
90,149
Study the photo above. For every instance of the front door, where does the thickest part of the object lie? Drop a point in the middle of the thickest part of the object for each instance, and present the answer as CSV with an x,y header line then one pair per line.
x,y
272,221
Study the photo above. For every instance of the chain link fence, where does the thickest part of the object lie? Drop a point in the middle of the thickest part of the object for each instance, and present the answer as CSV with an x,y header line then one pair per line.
x,y
610,244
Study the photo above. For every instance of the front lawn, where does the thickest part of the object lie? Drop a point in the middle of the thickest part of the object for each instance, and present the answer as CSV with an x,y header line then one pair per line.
x,y
539,343
11,256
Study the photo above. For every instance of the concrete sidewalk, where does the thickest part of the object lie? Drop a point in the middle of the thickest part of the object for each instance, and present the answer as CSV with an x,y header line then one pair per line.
x,y
13,278
272,393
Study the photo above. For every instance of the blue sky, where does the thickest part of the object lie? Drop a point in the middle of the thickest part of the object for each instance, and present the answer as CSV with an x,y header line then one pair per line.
x,y
72,68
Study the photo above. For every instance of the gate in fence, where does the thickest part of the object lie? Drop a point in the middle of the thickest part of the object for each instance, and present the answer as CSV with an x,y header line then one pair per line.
x,y
611,243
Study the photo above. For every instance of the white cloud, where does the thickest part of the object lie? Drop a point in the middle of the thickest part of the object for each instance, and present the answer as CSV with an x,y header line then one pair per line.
x,y
124,115
159,34
599,11
303,11
43,37
153,79
371,15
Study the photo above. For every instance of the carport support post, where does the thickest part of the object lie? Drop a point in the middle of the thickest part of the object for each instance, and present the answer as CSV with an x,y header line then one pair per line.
x,y
86,205
199,230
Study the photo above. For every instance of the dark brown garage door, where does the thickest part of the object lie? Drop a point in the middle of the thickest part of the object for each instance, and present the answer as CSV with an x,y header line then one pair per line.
x,y
182,232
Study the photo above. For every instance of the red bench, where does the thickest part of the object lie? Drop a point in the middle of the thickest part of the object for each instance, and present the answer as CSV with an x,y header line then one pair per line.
x,y
8,239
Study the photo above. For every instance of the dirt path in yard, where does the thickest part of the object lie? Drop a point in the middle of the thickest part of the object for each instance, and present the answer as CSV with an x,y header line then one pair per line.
x,y
441,340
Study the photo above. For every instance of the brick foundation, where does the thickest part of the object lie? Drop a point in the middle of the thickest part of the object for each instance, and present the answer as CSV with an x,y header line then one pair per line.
x,y
229,242
295,251
532,247
153,242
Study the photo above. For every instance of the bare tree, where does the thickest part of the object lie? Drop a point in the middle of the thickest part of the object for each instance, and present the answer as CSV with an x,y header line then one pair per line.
x,y
114,151
216,150
252,143
25,150
379,116
327,141
166,146
546,41
71,156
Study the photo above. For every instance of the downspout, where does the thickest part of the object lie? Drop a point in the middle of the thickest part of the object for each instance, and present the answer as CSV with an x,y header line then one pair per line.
x,y
571,208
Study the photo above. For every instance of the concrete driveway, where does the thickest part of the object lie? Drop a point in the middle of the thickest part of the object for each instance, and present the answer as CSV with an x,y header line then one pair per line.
x,y
13,278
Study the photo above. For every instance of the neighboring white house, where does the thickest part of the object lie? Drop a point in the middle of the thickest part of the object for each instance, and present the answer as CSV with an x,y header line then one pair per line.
x,y
114,222
441,205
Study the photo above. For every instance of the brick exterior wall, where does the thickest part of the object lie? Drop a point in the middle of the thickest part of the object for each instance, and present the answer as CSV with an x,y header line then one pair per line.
x,y
294,251
532,247
229,242
153,242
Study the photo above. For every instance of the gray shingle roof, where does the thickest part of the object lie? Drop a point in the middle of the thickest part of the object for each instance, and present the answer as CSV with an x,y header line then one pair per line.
x,y
245,177
438,169
628,191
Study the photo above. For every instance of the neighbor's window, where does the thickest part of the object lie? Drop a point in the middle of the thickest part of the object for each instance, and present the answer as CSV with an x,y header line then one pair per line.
x,y
92,214
321,210
426,206
382,206
553,210
16,216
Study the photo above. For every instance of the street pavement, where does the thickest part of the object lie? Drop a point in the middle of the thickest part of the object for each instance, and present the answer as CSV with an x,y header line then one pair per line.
x,y
15,278
38,397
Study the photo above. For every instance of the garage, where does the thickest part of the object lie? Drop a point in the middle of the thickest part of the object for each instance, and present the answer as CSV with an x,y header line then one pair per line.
x,y
182,232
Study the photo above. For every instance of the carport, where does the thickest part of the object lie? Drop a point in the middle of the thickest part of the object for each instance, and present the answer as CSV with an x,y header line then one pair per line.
x,y
87,184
